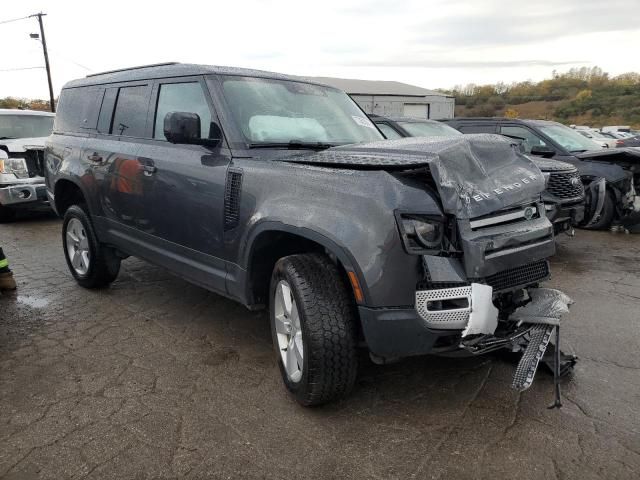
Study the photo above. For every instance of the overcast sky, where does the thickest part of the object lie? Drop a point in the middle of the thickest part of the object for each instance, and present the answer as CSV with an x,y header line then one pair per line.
x,y
433,44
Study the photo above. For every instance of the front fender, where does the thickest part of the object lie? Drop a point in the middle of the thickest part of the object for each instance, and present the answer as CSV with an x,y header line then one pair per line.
x,y
351,214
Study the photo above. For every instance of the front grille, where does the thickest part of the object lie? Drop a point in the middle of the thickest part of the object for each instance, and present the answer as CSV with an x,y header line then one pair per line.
x,y
35,162
561,186
505,280
519,276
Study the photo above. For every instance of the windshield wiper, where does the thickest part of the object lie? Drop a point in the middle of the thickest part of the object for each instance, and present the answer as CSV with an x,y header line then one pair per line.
x,y
8,138
293,145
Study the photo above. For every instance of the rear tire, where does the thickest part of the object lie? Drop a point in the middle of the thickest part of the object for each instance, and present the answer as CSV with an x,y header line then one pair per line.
x,y
607,215
91,263
325,356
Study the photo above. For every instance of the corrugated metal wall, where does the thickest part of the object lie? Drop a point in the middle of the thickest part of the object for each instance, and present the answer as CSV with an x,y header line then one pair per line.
x,y
439,106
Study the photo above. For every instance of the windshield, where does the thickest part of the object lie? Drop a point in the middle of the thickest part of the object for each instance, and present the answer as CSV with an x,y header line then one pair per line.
x,y
569,138
269,111
429,129
25,126
597,134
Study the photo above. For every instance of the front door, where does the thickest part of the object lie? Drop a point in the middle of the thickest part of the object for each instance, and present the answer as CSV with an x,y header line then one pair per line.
x,y
183,204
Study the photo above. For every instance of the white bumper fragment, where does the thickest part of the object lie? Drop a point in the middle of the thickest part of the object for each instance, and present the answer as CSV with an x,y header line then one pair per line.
x,y
469,307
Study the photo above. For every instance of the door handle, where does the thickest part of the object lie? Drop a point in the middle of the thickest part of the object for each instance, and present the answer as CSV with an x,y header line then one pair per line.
x,y
149,169
95,157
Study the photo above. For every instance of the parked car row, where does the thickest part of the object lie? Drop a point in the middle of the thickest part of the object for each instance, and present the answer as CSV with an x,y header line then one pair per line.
x,y
611,137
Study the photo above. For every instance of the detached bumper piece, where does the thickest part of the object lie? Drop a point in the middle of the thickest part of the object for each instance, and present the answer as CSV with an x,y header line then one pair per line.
x,y
539,337
544,311
471,308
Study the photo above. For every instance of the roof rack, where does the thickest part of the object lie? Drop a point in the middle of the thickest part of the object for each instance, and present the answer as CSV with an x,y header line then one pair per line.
x,y
133,68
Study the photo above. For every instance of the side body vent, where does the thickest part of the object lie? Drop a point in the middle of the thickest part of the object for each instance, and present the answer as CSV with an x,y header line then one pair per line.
x,y
232,190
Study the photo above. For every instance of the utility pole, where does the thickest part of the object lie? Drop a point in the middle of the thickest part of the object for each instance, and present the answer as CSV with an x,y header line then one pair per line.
x,y
46,59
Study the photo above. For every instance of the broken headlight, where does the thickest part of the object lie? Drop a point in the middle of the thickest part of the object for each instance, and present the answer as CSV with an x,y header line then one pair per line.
x,y
421,233
17,166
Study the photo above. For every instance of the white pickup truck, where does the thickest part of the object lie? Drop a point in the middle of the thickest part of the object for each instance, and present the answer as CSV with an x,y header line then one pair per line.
x,y
22,136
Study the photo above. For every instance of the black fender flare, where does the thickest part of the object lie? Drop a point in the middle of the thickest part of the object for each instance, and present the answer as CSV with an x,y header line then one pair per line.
x,y
75,182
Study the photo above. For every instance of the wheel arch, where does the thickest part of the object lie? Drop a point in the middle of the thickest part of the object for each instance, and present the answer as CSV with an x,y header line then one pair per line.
x,y
66,193
270,241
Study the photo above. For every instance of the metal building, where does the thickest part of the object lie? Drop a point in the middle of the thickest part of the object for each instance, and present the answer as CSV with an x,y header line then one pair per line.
x,y
394,98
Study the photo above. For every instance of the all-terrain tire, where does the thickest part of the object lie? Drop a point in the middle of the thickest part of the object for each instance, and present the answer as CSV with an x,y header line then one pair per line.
x,y
104,265
328,322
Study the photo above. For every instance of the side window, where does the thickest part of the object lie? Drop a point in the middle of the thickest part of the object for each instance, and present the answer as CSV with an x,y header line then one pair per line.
x,y
487,128
529,139
182,97
78,109
130,116
388,131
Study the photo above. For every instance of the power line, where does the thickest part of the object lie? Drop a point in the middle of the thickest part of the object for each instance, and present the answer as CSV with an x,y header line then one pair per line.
x,y
14,20
18,69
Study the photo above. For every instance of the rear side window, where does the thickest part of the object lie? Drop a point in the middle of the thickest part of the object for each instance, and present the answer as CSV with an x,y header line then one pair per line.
x,y
477,128
130,115
78,109
182,97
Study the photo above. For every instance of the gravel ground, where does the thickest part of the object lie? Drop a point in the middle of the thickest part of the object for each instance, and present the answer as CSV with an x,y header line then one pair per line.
x,y
156,378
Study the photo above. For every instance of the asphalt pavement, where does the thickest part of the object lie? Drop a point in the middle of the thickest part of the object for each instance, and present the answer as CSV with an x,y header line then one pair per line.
x,y
157,378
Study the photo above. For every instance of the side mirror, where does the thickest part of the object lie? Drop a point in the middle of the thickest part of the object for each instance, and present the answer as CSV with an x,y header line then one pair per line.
x,y
3,155
184,128
543,151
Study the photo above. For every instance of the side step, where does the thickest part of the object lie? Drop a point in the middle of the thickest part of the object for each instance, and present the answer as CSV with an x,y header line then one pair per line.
x,y
540,335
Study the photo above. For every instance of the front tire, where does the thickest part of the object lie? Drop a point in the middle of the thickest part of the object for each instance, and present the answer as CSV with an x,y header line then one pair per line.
x,y
91,263
313,326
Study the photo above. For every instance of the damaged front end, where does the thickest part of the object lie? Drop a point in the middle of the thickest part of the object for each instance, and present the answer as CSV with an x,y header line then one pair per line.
x,y
521,321
622,186
480,241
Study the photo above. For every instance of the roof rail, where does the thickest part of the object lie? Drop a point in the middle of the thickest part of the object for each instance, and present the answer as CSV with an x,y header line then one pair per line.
x,y
133,68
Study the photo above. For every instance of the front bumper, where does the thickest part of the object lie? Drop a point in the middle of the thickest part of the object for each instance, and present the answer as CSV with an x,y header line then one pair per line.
x,y
398,332
23,194
565,216
442,312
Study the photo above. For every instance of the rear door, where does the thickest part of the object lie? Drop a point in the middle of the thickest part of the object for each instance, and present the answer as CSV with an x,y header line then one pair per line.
x,y
184,185
112,155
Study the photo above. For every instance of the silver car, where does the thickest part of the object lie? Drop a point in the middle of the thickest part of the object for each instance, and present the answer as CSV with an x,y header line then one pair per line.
x,y
22,136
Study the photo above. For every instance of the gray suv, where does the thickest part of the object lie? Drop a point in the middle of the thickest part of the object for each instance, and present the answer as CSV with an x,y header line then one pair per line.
x,y
280,193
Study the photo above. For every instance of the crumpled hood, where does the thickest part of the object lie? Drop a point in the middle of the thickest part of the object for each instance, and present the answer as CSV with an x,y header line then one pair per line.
x,y
18,145
628,155
475,174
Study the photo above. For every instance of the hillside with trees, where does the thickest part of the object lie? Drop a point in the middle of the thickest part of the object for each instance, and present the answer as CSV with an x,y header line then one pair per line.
x,y
582,96
24,104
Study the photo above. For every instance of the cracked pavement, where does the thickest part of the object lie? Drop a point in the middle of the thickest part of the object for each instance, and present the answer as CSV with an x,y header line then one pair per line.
x,y
157,378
